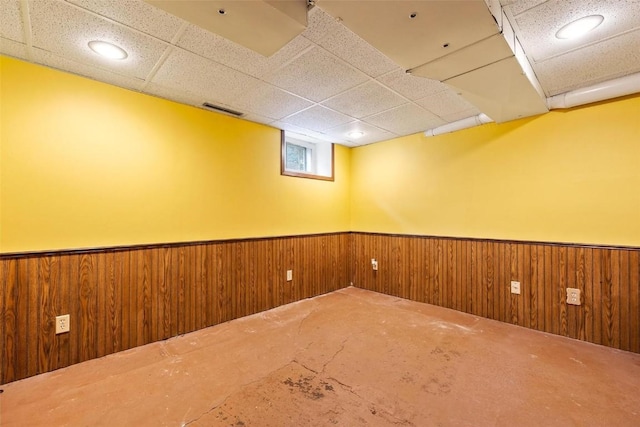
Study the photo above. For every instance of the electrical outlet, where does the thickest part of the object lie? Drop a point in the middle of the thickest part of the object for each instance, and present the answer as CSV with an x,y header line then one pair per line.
x,y
289,275
573,296
515,287
62,324
374,264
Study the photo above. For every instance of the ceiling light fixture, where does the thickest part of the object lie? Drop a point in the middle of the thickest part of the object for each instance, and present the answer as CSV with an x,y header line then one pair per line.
x,y
108,50
579,27
355,134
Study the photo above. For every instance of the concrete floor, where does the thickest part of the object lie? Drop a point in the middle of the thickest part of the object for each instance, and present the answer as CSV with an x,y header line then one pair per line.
x,y
349,358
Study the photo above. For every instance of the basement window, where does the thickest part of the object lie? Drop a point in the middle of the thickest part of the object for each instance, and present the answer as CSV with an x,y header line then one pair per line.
x,y
303,157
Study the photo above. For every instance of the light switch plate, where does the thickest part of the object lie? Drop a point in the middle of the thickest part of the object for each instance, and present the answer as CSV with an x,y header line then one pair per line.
x,y
289,275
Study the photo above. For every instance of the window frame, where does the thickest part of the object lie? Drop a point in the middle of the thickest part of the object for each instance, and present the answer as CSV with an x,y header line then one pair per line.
x,y
283,162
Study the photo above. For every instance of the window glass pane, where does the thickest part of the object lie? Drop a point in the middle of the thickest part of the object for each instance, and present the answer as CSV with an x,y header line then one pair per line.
x,y
296,157
305,157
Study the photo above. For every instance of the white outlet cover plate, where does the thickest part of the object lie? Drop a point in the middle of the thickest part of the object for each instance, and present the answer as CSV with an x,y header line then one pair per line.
x,y
62,324
515,287
289,275
573,296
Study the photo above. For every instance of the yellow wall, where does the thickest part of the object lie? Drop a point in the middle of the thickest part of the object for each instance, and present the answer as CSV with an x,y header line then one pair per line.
x,y
566,176
85,164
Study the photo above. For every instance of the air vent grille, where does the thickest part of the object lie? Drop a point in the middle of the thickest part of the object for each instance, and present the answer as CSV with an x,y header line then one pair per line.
x,y
223,110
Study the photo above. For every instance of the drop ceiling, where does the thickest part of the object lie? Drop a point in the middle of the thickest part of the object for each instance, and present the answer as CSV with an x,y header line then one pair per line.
x,y
327,81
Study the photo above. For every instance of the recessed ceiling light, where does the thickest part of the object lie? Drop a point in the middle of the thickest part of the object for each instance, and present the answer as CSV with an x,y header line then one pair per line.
x,y
355,134
108,50
579,27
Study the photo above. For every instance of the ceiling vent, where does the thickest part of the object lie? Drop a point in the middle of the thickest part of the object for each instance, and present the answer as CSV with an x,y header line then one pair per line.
x,y
263,26
223,110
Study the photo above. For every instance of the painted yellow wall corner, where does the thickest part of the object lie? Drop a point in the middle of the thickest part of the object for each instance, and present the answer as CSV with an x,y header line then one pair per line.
x,y
86,164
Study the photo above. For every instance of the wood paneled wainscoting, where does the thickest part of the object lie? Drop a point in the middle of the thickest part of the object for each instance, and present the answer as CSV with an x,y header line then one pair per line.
x,y
474,276
120,298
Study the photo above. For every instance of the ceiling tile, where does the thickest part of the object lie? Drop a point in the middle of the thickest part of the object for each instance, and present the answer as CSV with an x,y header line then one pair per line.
x,y
54,61
409,86
318,118
214,82
135,14
319,25
365,100
269,101
538,26
303,131
219,49
316,75
257,118
288,126
371,133
444,103
351,48
289,52
65,31
178,95
591,65
405,120
11,21
519,6
13,48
